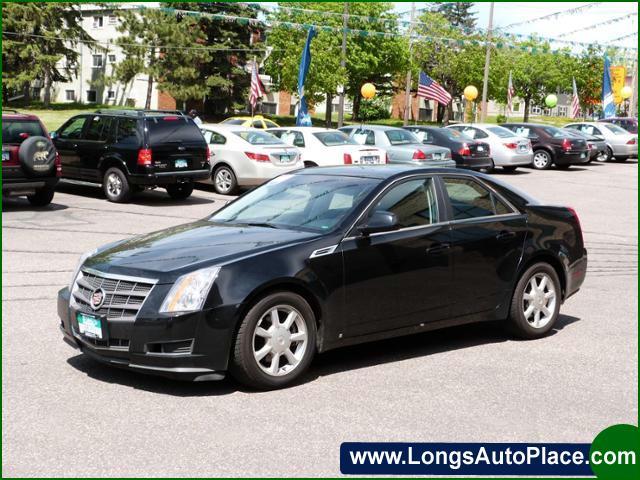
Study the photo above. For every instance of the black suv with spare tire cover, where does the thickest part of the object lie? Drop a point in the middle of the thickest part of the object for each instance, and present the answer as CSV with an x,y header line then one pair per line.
x,y
127,151
30,163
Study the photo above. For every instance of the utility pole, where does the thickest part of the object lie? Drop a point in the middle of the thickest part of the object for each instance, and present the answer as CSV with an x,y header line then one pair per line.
x,y
633,110
487,59
407,91
343,63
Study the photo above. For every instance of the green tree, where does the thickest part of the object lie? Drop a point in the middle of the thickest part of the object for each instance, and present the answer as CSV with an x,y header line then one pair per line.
x,y
169,49
459,14
39,42
370,58
224,75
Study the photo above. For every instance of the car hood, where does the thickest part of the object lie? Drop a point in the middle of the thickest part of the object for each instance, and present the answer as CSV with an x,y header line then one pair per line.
x,y
166,254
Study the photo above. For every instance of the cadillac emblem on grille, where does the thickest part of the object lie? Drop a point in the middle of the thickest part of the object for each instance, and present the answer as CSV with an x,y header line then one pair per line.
x,y
97,298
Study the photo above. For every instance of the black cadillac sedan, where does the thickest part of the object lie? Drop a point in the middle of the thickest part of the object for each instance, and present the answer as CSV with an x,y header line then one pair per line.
x,y
466,152
319,259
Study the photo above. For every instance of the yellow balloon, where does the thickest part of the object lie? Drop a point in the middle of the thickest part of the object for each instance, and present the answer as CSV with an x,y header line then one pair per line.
x,y
626,92
368,91
470,93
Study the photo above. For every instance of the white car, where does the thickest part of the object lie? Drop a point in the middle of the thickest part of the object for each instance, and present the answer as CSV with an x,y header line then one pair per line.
x,y
324,147
242,156
508,150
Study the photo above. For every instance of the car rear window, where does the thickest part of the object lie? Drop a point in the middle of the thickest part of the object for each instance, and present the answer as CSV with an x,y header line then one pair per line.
x,y
554,132
333,139
17,131
255,137
172,129
233,121
501,132
615,129
401,137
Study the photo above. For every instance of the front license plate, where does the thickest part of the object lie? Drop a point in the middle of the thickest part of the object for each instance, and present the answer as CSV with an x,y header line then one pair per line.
x,y
6,156
370,159
90,326
182,163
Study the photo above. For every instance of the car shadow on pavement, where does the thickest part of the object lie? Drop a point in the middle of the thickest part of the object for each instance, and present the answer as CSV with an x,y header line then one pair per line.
x,y
148,198
21,204
332,362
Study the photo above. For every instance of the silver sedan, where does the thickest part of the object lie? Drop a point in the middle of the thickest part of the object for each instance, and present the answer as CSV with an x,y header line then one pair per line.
x,y
620,143
402,146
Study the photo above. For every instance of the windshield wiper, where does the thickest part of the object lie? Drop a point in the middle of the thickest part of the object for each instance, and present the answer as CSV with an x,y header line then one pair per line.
x,y
260,224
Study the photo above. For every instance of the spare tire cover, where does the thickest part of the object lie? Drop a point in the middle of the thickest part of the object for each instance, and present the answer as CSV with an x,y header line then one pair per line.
x,y
37,155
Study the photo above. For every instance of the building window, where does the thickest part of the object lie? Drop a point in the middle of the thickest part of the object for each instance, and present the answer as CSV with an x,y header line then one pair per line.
x,y
97,61
270,108
111,95
516,107
112,58
535,110
98,22
113,20
92,96
70,95
562,111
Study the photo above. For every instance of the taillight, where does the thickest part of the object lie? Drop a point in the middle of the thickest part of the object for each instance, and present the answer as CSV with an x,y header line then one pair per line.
x,y
511,146
632,141
347,159
208,153
419,155
144,156
465,150
258,157
58,165
566,144
386,158
575,215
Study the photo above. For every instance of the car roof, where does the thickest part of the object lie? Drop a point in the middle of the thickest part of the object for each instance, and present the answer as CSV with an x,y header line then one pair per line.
x,y
305,129
19,116
377,127
255,117
528,124
424,127
380,172
481,125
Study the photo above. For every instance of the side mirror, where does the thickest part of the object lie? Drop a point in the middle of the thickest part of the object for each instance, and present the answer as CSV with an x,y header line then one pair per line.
x,y
53,134
381,221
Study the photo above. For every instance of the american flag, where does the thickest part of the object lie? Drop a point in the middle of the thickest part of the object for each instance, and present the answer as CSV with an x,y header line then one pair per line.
x,y
431,90
575,101
257,89
510,93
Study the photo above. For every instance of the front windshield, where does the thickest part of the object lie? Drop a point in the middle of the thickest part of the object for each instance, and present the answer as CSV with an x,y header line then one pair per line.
x,y
316,203
334,139
401,137
615,129
256,137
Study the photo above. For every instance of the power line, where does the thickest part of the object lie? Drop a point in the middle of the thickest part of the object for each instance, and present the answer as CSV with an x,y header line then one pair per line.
x,y
570,11
596,25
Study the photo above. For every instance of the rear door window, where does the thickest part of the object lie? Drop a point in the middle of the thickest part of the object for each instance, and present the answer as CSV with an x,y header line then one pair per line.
x,y
414,203
73,128
17,131
127,132
95,127
257,124
172,129
469,199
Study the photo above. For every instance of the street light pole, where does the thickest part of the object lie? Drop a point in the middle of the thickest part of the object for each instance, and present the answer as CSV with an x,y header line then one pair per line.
x,y
487,59
407,90
343,63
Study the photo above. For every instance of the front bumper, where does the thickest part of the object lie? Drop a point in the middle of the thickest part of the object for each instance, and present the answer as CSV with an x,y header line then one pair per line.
x,y
169,178
136,345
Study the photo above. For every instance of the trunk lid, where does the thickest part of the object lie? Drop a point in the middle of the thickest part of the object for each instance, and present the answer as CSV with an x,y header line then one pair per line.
x,y
176,144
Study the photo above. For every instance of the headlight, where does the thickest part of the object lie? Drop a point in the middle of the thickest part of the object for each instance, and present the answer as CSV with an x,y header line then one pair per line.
x,y
83,257
190,291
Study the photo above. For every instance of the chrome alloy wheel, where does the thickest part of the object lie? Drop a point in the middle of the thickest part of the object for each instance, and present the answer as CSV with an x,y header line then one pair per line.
x,y
541,159
280,340
114,185
602,156
539,300
223,180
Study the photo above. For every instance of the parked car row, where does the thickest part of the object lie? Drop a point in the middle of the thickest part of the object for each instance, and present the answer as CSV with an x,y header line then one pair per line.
x,y
127,151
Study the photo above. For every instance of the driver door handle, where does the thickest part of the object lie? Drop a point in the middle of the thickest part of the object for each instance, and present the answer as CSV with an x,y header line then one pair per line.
x,y
438,248
505,235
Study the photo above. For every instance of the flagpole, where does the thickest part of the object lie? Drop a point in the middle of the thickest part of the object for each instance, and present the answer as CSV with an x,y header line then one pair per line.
x,y
407,91
255,67
487,59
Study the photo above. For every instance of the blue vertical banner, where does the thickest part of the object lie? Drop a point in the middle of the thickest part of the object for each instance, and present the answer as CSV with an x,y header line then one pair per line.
x,y
303,119
608,107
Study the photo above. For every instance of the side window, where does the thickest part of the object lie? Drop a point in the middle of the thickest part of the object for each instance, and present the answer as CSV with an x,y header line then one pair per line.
x,y
363,137
216,139
470,132
73,129
469,199
127,132
414,202
595,131
257,124
371,138
423,135
480,134
270,124
293,138
94,130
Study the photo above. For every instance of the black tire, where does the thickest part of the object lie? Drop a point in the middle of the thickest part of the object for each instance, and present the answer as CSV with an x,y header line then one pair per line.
x,y
42,197
310,164
489,169
518,323
37,156
224,180
180,191
609,154
510,169
601,157
116,192
622,158
246,369
542,160
566,166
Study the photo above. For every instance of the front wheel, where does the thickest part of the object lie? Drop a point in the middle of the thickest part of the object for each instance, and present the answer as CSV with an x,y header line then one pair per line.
x,y
275,342
602,156
510,169
609,154
180,191
224,180
535,305
42,197
116,186
542,160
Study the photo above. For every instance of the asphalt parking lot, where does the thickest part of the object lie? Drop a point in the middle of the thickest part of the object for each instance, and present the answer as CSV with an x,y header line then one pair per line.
x,y
64,415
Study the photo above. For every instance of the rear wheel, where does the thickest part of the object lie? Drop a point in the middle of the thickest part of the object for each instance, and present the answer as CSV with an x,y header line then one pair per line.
x,y
542,160
490,168
535,305
116,186
510,169
602,156
310,164
275,342
609,154
224,180
180,191
42,197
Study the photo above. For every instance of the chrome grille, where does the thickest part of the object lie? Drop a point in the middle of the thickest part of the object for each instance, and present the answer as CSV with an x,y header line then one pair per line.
x,y
123,299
